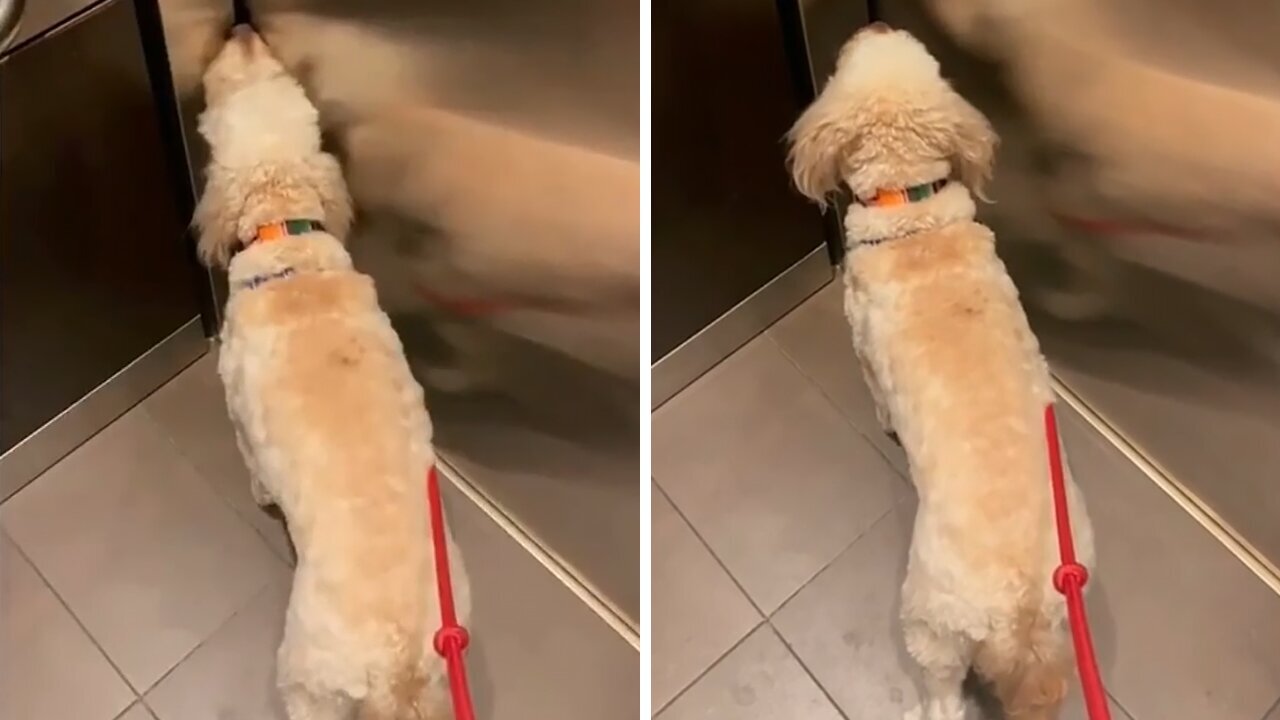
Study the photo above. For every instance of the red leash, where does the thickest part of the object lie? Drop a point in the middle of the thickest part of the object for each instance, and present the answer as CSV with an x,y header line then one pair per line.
x,y
451,639
1117,227
1070,579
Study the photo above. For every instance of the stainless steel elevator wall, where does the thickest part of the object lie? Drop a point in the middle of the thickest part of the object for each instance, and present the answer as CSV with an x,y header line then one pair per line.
x,y
492,150
1137,203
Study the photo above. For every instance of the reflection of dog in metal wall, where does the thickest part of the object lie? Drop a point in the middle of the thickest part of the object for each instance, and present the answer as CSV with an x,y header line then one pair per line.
x,y
331,422
954,369
1175,137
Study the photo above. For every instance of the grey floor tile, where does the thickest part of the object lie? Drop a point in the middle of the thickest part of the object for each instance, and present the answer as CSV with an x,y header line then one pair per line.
x,y
1185,631
44,653
137,712
817,338
768,471
192,411
759,680
231,675
698,613
148,558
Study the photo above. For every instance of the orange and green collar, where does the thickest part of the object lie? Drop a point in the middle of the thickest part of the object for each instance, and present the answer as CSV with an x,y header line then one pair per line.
x,y
285,228
892,197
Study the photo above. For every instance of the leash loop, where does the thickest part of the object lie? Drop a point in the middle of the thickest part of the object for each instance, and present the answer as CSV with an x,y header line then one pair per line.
x,y
451,639
1064,573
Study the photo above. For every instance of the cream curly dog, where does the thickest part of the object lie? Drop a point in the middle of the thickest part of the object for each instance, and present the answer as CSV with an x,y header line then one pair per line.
x,y
332,425
954,370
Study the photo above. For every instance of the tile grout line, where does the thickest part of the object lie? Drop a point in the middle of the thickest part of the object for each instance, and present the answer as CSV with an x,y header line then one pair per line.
x,y
795,656
892,506
697,678
76,619
767,618
1266,715
764,619
140,703
822,390
707,546
139,695
187,655
205,480
888,511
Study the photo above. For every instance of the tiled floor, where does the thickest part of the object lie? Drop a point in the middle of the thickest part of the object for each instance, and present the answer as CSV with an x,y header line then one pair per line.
x,y
141,583
781,522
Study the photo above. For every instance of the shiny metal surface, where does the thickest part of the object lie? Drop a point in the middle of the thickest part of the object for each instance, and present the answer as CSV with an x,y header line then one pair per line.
x,y
492,148
10,21
38,451
1138,207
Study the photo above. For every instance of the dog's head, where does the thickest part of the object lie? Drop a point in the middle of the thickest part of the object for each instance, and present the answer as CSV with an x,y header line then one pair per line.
x,y
244,60
888,119
267,164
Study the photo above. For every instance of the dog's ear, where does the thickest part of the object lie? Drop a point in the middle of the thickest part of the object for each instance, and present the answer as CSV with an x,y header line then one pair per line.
x,y
973,146
217,217
335,199
821,139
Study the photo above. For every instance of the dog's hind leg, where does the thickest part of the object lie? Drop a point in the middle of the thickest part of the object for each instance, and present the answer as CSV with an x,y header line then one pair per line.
x,y
301,703
944,659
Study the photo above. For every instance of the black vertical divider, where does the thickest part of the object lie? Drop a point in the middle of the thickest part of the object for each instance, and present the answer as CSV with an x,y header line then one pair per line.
x,y
151,30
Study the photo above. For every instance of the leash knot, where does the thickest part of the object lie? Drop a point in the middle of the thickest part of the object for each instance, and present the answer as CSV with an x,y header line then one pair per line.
x,y
1067,571
451,639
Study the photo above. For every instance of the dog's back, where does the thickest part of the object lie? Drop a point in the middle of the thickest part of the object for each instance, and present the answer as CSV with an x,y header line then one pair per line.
x,y
966,387
341,440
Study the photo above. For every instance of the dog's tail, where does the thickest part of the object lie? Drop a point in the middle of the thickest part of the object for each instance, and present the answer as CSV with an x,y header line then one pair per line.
x,y
1028,666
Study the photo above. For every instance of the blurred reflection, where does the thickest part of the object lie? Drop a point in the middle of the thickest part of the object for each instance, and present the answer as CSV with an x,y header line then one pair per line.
x,y
492,149
1138,206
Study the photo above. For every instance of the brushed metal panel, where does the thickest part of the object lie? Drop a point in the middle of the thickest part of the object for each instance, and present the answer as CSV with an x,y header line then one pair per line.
x,y
41,15
40,450
680,367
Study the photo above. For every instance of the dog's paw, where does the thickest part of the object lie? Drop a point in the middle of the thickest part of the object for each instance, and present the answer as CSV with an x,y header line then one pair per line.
x,y
949,709
260,494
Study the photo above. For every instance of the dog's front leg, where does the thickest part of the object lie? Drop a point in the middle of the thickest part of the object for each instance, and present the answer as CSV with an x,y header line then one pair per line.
x,y
261,495
944,661
877,397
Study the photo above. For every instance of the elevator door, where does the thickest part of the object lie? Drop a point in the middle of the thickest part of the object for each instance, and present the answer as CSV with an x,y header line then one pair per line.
x,y
725,219
94,270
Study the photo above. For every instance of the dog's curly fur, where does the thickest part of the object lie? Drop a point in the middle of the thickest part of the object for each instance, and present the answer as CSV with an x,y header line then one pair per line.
x,y
330,421
954,370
